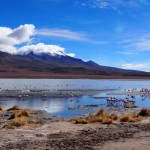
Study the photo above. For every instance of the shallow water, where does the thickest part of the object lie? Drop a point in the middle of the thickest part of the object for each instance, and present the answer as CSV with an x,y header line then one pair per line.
x,y
70,84
60,106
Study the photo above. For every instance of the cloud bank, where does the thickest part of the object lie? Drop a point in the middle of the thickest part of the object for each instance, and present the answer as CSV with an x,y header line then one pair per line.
x,y
42,48
17,41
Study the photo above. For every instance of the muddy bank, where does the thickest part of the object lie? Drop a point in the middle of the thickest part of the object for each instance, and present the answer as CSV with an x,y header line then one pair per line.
x,y
11,119
68,136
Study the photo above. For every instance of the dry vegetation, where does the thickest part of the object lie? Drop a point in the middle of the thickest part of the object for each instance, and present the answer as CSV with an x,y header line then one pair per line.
x,y
19,114
100,116
104,118
132,117
1,109
130,106
17,122
13,108
19,117
144,112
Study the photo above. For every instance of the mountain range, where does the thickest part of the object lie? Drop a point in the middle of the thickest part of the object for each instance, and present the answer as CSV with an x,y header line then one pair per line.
x,y
45,65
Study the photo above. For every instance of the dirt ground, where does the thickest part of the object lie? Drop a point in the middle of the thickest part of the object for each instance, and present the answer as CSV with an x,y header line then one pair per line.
x,y
68,136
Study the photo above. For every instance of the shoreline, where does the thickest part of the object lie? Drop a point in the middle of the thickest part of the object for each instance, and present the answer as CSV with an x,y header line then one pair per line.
x,y
70,76
51,93
67,93
71,92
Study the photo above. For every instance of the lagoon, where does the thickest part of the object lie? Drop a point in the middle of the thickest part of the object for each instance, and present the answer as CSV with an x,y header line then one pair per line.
x,y
70,106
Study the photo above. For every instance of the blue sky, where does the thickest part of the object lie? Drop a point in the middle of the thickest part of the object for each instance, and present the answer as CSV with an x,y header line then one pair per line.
x,y
110,32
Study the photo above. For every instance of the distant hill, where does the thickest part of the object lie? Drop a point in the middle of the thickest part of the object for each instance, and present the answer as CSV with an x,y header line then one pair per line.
x,y
57,66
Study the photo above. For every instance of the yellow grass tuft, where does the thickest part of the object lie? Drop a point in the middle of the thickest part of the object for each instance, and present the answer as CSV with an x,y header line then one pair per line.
x,y
124,118
104,118
144,113
99,117
132,117
94,119
100,112
8,126
130,106
24,113
107,121
19,113
17,122
13,115
1,109
80,121
14,108
114,116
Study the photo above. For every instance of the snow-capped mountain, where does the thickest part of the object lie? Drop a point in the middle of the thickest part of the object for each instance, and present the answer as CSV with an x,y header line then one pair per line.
x,y
55,65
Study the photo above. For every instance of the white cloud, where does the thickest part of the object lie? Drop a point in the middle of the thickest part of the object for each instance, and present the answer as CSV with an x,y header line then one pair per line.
x,y
139,43
62,33
16,41
16,36
101,4
22,33
114,4
42,48
136,66
11,37
67,35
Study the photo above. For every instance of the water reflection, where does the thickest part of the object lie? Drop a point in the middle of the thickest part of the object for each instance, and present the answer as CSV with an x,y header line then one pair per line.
x,y
49,105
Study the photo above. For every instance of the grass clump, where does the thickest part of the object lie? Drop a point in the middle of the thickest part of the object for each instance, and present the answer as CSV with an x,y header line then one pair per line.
x,y
80,121
114,116
14,108
8,126
107,121
24,113
99,117
133,117
124,118
19,122
94,119
104,118
1,109
19,113
130,106
144,112
99,112
13,115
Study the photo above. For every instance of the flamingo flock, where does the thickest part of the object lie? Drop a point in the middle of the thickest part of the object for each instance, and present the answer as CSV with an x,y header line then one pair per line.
x,y
112,101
